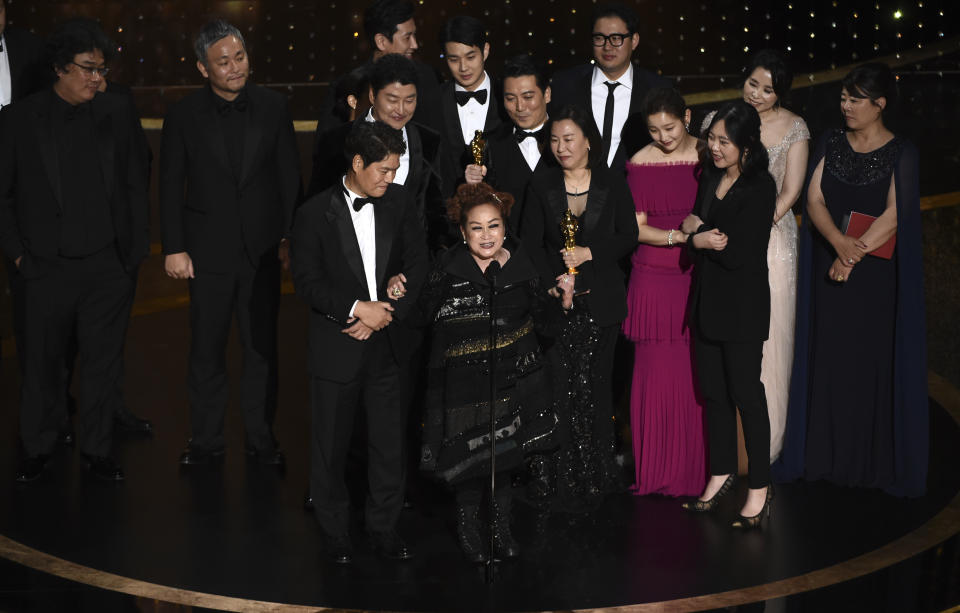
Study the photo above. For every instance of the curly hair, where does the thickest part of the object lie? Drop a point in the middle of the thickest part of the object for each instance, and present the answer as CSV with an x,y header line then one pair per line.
x,y
470,195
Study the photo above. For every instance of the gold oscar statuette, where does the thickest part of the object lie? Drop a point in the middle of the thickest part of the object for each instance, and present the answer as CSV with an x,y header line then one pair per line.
x,y
568,230
477,147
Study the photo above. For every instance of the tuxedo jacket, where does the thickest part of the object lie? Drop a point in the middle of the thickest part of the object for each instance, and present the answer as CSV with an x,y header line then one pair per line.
x,y
208,211
31,196
430,180
573,86
507,169
730,297
28,74
608,227
328,274
452,129
428,108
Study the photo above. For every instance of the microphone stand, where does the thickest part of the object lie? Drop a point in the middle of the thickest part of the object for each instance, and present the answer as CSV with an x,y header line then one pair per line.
x,y
491,275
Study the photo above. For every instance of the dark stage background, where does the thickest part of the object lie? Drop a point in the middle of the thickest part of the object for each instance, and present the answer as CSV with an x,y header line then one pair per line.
x,y
302,44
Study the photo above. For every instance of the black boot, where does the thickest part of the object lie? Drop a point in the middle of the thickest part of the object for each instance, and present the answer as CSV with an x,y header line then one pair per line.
x,y
504,545
468,533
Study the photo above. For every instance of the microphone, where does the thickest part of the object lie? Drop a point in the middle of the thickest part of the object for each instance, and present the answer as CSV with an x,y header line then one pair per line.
x,y
493,269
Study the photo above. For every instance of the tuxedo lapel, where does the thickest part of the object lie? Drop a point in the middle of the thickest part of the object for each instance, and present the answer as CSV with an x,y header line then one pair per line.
x,y
451,117
252,132
343,226
584,97
415,146
557,197
47,143
596,202
208,124
105,139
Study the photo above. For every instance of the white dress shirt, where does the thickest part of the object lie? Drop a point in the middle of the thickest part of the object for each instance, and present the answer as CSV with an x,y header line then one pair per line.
x,y
6,86
401,177
530,148
621,104
365,226
473,115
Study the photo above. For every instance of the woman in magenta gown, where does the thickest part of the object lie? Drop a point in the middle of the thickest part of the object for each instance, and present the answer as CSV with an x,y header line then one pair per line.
x,y
666,416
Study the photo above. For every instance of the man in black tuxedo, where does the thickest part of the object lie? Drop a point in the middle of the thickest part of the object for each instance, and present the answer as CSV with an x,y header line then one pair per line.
x,y
426,168
350,244
73,219
229,181
517,150
390,28
613,88
468,102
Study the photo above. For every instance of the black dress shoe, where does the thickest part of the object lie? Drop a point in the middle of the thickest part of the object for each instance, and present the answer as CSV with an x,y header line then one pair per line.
x,y
103,467
31,468
266,457
390,545
192,456
339,548
308,502
126,420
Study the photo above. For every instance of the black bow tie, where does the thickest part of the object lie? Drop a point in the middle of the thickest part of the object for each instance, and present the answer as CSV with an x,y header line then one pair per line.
x,y
360,202
238,104
523,135
464,97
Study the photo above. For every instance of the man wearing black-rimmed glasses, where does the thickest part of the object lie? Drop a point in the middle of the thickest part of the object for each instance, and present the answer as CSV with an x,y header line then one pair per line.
x,y
611,87
73,219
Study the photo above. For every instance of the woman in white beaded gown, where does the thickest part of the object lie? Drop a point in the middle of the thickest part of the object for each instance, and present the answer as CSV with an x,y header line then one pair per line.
x,y
786,138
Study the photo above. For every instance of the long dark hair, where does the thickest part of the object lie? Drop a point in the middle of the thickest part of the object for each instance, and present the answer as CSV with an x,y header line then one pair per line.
x,y
585,122
780,73
742,124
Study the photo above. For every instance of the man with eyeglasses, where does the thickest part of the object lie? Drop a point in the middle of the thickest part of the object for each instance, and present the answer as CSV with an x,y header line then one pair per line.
x,y
612,87
73,218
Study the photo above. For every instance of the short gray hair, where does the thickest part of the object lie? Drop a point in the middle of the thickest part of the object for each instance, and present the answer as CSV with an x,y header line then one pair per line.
x,y
211,33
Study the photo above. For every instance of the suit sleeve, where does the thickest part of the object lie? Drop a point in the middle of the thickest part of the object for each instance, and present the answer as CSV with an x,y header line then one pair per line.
x,y
749,227
288,168
137,182
309,263
9,230
532,235
415,262
624,238
173,177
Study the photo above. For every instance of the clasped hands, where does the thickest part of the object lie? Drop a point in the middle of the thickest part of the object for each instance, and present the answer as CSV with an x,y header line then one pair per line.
x,y
850,251
710,239
369,316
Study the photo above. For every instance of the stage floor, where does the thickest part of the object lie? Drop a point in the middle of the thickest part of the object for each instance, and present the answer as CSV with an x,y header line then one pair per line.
x,y
236,537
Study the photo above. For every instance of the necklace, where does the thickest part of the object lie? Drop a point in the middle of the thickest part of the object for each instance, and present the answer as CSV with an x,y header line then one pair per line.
x,y
576,188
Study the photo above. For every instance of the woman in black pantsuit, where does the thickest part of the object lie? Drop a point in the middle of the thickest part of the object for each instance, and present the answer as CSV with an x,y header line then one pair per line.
x,y
730,303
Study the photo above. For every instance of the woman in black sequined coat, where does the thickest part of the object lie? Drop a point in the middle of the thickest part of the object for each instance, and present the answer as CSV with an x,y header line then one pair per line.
x,y
457,302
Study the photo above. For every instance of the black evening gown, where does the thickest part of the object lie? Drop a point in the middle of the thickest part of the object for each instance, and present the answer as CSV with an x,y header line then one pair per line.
x,y
850,433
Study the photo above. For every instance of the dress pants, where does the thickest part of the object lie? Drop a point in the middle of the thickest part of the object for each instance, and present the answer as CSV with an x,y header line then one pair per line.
x,y
377,389
729,375
253,293
89,297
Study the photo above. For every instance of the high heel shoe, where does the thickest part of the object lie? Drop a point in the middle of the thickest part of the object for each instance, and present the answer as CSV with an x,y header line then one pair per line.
x,y
704,506
756,521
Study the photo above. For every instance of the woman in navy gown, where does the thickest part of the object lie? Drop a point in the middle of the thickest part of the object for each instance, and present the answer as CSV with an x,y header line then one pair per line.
x,y
859,410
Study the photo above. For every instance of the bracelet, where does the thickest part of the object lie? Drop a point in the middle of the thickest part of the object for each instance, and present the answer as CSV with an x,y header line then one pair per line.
x,y
670,238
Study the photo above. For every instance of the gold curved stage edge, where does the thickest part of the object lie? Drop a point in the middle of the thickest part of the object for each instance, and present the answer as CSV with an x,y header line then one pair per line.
x,y
939,528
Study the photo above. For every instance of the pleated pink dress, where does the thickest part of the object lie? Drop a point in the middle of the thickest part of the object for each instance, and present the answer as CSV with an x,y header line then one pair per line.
x,y
666,417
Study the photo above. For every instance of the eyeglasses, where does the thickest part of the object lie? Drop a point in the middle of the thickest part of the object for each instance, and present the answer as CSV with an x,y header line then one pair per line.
x,y
615,40
92,71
